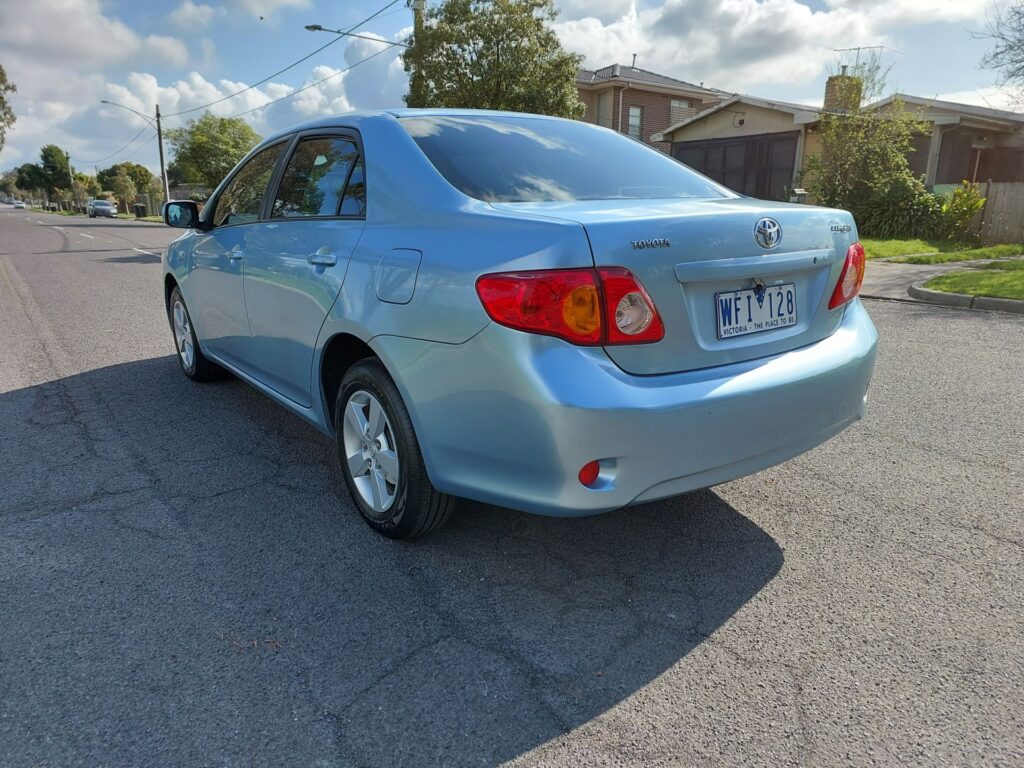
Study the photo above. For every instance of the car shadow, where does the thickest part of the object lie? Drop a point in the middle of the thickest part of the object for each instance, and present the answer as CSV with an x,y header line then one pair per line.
x,y
137,258
202,533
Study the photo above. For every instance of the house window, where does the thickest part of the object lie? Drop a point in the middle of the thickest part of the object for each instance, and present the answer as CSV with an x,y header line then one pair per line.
x,y
604,110
635,119
680,110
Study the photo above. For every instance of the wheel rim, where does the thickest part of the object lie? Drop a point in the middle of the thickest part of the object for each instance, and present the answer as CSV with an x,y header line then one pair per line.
x,y
371,452
183,334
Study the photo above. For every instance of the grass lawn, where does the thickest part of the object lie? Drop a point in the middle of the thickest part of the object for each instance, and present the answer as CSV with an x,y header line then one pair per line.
x,y
1004,279
934,251
155,219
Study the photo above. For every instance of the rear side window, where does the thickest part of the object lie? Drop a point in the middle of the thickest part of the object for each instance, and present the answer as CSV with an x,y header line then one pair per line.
x,y
242,198
315,178
354,202
522,159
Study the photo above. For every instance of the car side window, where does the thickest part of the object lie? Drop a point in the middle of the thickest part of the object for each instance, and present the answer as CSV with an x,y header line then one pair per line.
x,y
242,198
354,202
313,183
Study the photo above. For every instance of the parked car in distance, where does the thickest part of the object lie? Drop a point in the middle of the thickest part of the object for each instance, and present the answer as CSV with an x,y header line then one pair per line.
x,y
526,311
19,204
101,208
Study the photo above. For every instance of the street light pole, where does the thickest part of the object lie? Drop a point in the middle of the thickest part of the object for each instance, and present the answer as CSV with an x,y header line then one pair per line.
x,y
417,97
159,139
160,142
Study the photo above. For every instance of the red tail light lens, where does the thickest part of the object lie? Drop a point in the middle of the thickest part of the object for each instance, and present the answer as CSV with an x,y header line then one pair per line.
x,y
851,278
583,306
565,303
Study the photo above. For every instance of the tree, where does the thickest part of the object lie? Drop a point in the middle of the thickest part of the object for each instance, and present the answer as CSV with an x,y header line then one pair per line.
x,y
139,174
863,165
7,116
30,178
493,54
85,186
205,150
9,183
1006,30
56,166
123,187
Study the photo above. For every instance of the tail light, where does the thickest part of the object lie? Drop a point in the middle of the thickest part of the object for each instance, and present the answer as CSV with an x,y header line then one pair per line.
x,y
584,306
851,278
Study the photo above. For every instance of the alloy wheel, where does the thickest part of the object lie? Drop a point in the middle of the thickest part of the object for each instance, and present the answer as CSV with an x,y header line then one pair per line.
x,y
371,452
183,335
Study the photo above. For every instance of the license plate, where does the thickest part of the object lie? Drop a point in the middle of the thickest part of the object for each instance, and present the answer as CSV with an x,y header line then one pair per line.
x,y
752,311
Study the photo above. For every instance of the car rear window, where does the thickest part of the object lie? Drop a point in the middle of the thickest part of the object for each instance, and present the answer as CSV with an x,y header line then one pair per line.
x,y
513,159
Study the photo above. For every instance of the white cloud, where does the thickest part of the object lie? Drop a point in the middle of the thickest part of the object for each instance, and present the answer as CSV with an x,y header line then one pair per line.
x,y
604,10
727,44
994,97
191,16
168,49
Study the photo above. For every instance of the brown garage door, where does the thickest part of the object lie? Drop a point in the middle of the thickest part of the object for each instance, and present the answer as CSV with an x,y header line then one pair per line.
x,y
759,166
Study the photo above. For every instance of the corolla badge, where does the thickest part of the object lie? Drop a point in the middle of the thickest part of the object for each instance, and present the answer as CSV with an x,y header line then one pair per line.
x,y
767,233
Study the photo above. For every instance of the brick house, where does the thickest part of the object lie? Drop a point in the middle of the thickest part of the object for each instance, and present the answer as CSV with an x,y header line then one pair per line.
x,y
639,103
759,147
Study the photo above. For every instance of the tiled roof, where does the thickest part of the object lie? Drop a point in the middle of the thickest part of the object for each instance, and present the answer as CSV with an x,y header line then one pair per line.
x,y
635,74
966,109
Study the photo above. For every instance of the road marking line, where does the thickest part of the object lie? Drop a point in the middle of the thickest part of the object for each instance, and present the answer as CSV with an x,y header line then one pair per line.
x,y
91,237
148,253
57,226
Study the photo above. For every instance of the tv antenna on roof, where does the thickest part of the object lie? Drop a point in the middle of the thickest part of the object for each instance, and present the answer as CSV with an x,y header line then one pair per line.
x,y
859,48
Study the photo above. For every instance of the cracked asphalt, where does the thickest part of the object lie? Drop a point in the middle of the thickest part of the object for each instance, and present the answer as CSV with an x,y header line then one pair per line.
x,y
183,580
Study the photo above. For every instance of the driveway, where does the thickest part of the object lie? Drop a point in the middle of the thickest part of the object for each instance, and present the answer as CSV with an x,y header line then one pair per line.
x,y
183,580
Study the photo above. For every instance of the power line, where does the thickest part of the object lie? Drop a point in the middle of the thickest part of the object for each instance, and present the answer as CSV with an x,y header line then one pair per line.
x,y
122,149
293,64
388,47
135,151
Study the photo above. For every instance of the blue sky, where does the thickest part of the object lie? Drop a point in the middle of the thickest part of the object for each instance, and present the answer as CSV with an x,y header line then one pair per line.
x,y
66,55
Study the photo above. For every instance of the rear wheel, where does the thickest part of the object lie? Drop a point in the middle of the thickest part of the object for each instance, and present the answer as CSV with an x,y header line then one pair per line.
x,y
193,362
380,456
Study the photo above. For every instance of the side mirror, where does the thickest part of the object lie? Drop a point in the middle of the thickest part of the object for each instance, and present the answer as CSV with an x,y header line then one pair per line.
x,y
182,214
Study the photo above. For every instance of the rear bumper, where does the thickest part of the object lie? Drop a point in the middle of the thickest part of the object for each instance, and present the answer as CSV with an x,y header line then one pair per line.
x,y
510,418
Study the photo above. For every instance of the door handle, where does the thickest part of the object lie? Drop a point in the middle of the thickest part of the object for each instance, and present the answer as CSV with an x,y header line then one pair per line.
x,y
235,253
323,257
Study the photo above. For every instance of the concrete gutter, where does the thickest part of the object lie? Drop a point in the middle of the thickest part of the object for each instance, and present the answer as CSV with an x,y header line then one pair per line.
x,y
964,301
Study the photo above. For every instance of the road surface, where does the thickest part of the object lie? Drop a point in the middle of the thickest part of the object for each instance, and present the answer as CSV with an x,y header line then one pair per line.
x,y
184,581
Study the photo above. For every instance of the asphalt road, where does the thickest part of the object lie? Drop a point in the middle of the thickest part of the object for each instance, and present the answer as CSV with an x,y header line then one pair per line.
x,y
183,580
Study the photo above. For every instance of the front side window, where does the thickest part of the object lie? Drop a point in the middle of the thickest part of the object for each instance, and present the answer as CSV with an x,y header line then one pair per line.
x,y
314,180
635,118
242,198
524,159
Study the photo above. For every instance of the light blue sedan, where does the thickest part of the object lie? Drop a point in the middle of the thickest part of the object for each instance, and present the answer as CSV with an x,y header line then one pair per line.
x,y
527,311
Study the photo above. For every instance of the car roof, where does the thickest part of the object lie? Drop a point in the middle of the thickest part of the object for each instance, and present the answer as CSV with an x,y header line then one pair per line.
x,y
354,119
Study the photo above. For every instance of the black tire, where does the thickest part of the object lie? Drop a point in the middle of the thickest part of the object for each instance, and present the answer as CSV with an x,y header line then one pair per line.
x,y
201,368
418,508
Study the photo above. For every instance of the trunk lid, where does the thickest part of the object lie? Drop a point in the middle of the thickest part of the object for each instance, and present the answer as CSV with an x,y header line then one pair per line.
x,y
687,252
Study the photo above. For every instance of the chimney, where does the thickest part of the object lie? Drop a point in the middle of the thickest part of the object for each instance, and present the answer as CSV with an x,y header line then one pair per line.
x,y
843,92
634,61
615,71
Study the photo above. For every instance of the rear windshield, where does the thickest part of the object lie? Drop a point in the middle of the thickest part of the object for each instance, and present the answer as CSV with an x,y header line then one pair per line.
x,y
513,160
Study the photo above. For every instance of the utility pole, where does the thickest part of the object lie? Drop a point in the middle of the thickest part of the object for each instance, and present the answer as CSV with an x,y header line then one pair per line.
x,y
160,141
417,97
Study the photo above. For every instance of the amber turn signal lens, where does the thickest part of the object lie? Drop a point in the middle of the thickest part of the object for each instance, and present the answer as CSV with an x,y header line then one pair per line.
x,y
581,310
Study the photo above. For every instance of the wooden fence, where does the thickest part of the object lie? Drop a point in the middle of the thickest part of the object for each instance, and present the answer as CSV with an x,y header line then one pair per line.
x,y
1002,221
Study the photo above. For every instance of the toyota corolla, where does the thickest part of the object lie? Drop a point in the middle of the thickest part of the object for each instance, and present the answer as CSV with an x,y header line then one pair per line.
x,y
527,311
